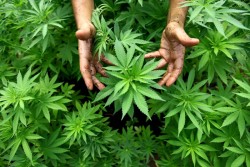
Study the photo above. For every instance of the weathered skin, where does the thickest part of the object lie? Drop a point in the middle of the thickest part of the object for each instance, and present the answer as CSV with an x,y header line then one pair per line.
x,y
173,42
88,65
172,48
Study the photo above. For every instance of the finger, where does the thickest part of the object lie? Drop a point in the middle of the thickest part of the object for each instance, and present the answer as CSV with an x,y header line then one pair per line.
x,y
183,38
161,64
105,60
92,68
97,83
175,72
170,67
160,53
164,78
153,54
166,75
173,77
86,74
99,68
84,60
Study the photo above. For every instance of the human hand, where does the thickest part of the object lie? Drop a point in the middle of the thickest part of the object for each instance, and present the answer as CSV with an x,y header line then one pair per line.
x,y
172,49
89,65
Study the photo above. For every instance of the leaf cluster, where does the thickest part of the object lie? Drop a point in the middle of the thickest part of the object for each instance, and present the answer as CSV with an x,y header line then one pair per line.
x,y
130,81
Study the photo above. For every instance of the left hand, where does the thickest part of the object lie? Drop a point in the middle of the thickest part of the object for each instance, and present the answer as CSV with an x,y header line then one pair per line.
x,y
89,64
172,50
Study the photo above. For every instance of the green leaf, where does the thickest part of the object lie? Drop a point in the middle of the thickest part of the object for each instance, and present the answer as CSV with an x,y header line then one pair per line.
x,y
120,53
203,163
227,53
149,66
140,2
22,118
222,74
130,55
146,91
15,122
55,24
197,86
127,102
138,65
235,150
197,53
233,21
243,85
119,86
195,12
219,27
230,119
190,79
181,122
248,160
238,161
45,30
241,124
111,99
202,154
194,120
219,140
173,112
210,73
89,132
113,68
33,4
116,74
33,137
26,149
141,103
245,95
125,89
226,109
175,143
14,149
103,93
207,147
34,42
113,59
46,113
211,12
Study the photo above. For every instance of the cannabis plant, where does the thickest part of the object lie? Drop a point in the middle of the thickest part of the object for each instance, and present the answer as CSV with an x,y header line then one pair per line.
x,y
130,81
49,119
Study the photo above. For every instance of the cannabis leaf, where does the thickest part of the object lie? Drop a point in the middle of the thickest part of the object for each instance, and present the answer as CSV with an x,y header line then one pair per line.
x,y
130,81
214,11
191,146
188,102
246,87
216,53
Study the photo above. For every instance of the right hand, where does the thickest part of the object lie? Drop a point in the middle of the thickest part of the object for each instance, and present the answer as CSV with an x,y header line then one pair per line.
x,y
172,50
88,64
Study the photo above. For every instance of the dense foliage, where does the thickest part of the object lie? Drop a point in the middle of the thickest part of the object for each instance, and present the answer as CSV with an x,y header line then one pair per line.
x,y
48,118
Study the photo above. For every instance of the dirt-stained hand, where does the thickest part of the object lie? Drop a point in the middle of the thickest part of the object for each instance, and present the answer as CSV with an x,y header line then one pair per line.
x,y
89,65
172,50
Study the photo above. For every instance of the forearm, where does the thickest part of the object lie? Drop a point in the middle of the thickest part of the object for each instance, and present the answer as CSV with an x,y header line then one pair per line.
x,y
176,12
82,11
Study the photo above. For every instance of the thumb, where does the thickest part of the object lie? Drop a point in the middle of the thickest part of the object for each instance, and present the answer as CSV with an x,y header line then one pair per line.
x,y
184,39
86,32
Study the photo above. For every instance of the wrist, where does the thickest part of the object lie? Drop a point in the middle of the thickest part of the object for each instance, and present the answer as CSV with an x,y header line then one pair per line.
x,y
177,12
83,24
177,18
